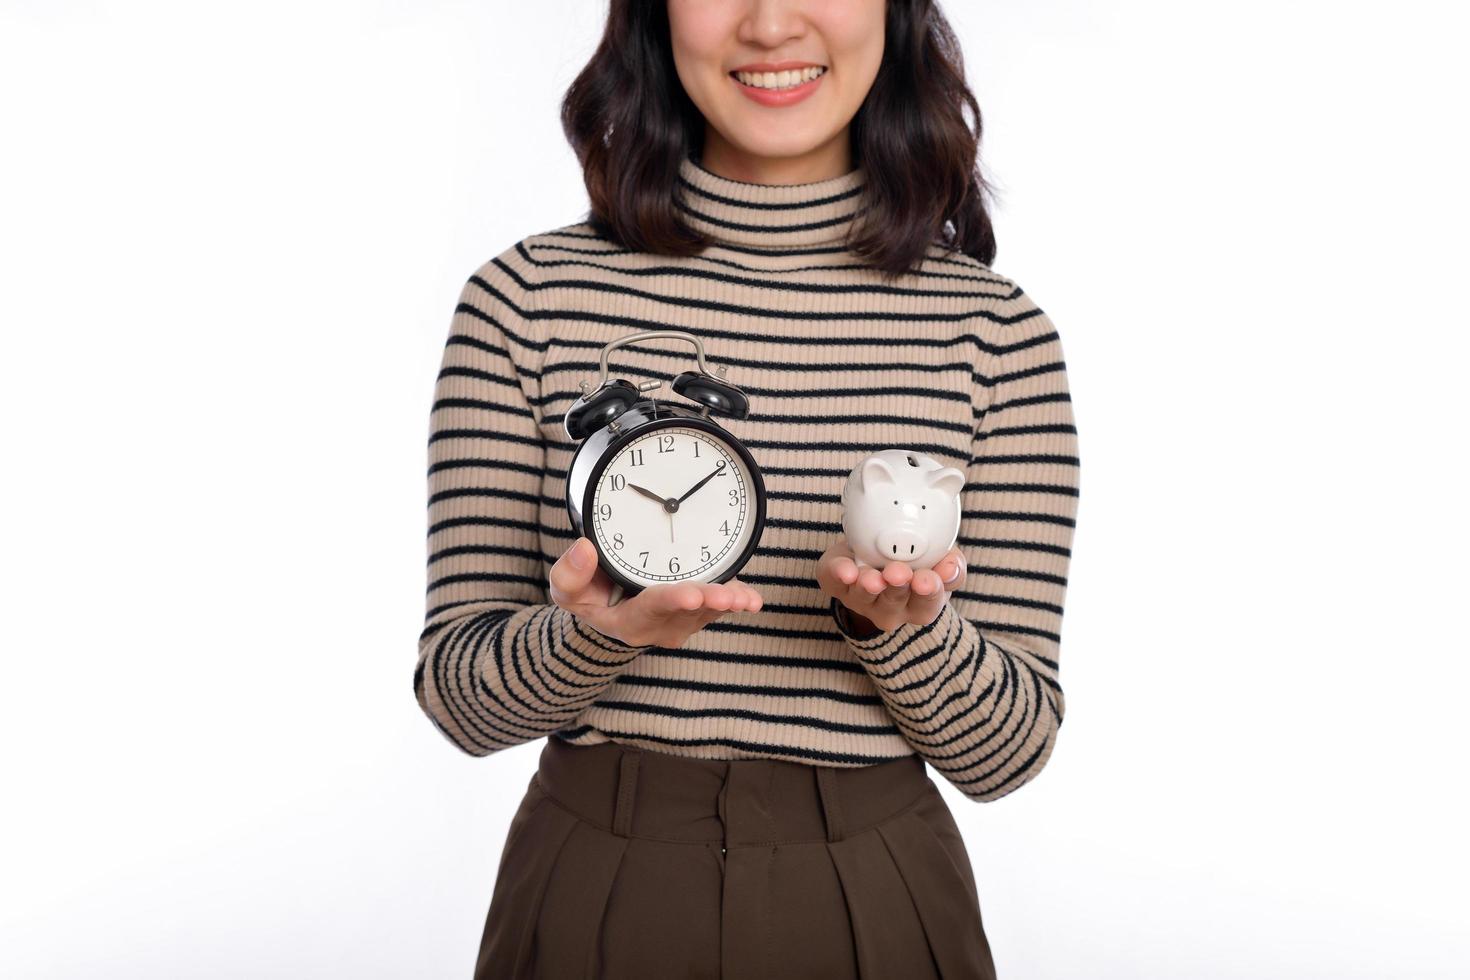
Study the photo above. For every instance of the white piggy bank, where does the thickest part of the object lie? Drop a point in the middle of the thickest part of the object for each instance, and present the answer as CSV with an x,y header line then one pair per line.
x,y
900,505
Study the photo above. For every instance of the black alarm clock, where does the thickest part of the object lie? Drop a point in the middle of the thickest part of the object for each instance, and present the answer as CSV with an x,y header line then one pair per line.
x,y
662,490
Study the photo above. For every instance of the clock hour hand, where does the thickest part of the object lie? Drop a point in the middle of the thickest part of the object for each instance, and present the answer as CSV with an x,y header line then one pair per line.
x,y
647,493
713,473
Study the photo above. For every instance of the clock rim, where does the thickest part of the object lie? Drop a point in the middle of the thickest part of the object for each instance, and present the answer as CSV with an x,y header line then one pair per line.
x,y
679,415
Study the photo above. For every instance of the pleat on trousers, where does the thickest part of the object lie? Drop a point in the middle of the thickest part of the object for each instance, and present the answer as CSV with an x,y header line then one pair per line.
x,y
626,863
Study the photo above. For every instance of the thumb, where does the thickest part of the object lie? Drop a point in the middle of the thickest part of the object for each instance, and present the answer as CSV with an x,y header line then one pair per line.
x,y
575,568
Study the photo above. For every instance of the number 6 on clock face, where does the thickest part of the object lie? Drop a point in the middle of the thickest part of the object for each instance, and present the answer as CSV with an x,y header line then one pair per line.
x,y
675,503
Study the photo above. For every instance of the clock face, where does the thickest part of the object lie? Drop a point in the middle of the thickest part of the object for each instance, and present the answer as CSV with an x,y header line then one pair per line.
x,y
675,504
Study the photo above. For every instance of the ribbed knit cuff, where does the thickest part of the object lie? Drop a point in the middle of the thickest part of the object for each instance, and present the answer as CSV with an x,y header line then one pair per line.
x,y
909,641
597,639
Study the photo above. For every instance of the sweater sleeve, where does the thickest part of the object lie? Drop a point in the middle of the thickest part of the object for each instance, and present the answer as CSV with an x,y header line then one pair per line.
x,y
499,664
976,692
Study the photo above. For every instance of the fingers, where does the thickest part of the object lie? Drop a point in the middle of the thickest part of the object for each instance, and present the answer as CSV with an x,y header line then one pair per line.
x,y
899,593
896,592
836,569
867,590
755,601
945,576
844,569
710,602
898,573
897,576
951,567
880,582
674,598
871,581
668,613
719,597
731,596
573,572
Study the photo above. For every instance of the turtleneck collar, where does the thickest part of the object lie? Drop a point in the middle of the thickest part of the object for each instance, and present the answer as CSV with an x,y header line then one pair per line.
x,y
734,212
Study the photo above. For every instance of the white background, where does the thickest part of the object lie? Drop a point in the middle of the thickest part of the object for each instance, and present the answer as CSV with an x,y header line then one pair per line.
x,y
232,237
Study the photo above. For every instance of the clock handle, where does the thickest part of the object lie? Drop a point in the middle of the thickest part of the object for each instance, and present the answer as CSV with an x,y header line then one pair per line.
x,y
596,407
654,335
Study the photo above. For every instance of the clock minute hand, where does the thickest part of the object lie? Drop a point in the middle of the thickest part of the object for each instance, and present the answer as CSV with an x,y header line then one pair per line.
x,y
690,491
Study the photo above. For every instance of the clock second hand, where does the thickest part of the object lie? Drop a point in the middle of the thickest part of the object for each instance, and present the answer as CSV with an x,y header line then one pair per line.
x,y
653,496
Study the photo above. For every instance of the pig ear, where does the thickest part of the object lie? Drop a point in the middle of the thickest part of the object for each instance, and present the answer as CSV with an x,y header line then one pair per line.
x,y
948,480
876,471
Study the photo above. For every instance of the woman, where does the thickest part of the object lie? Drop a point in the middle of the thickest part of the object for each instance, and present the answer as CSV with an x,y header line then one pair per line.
x,y
734,782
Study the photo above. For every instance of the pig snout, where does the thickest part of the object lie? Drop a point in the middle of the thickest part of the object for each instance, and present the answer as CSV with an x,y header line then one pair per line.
x,y
903,542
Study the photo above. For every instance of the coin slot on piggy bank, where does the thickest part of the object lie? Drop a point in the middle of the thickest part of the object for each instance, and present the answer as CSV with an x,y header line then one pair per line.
x,y
901,505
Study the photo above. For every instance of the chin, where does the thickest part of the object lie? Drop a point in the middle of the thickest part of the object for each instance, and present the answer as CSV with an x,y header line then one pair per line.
x,y
769,141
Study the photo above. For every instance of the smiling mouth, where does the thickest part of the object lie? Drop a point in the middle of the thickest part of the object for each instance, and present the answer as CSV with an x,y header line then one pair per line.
x,y
779,81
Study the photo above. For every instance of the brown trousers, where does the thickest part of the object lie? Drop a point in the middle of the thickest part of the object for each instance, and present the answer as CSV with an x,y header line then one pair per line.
x,y
627,863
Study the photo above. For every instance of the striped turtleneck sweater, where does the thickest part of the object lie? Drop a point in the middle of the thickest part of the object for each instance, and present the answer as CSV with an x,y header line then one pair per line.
x,y
952,359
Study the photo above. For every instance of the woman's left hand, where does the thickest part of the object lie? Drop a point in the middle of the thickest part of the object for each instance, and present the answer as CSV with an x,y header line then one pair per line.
x,y
894,595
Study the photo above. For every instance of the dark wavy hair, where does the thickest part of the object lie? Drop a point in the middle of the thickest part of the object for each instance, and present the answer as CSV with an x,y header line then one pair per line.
x,y
630,123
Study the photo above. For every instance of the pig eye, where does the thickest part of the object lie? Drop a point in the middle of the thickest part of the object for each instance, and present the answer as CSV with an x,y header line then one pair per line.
x,y
923,507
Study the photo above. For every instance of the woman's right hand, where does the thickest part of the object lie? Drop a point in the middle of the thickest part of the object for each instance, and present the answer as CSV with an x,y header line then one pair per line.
x,y
662,615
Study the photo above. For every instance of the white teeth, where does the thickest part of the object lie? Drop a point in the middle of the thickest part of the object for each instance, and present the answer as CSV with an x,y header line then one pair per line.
x,y
780,79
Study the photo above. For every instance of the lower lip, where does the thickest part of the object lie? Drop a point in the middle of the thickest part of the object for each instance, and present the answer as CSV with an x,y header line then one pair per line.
x,y
779,97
